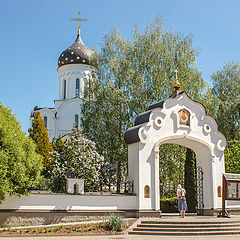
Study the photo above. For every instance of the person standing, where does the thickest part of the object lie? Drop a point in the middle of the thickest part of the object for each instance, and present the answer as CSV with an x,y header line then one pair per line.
x,y
182,203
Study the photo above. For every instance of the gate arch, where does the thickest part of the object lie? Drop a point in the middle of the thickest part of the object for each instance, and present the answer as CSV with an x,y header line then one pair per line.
x,y
182,121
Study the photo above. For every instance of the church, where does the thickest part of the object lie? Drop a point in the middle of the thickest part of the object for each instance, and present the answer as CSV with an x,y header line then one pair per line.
x,y
74,71
177,119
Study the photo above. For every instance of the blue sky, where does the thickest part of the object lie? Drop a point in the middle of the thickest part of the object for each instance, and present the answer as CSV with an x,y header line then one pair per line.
x,y
35,32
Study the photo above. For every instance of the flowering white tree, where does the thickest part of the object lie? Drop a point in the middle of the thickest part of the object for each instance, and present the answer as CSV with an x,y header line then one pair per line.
x,y
77,155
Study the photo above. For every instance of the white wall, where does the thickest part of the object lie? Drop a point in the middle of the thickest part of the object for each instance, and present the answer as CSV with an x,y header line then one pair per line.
x,y
70,202
66,115
233,204
50,114
70,73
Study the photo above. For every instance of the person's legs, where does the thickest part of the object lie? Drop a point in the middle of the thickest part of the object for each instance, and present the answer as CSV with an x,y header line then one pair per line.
x,y
182,216
184,212
181,206
184,207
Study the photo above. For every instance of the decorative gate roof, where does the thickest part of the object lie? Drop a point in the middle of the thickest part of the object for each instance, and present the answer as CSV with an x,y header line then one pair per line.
x,y
176,116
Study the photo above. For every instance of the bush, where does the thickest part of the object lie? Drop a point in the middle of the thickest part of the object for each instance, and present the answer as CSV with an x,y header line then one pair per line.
x,y
115,223
77,155
20,165
169,204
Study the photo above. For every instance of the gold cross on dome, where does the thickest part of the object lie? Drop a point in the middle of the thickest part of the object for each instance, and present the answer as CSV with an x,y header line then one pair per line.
x,y
79,20
176,71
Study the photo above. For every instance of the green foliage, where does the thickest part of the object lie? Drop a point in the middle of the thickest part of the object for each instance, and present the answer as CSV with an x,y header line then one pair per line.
x,y
115,223
39,134
132,74
20,165
75,229
77,155
232,157
190,180
169,204
171,164
57,228
226,89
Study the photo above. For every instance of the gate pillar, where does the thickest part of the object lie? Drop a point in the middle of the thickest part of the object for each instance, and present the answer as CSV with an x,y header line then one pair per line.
x,y
156,181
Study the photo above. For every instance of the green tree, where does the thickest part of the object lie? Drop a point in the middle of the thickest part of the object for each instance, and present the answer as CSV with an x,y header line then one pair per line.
x,y
20,165
226,89
171,165
39,134
190,180
232,157
109,109
58,144
132,74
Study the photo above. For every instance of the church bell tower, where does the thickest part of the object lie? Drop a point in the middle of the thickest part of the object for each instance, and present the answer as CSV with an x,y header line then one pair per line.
x,y
74,71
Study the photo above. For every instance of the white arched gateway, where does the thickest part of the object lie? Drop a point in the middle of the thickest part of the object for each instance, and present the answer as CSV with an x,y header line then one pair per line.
x,y
182,121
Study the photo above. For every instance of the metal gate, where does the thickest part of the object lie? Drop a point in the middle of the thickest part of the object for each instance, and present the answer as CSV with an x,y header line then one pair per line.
x,y
200,204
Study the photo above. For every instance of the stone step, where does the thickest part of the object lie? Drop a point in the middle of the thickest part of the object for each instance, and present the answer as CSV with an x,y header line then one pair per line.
x,y
186,230
187,227
179,233
183,225
183,221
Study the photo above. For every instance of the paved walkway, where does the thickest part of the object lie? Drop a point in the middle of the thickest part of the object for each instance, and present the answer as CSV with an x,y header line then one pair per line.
x,y
136,237
123,237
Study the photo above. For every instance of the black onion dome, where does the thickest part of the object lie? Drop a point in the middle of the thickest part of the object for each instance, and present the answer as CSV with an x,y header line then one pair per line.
x,y
77,53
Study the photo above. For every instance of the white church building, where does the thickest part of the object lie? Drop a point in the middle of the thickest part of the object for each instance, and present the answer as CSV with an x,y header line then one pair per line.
x,y
74,71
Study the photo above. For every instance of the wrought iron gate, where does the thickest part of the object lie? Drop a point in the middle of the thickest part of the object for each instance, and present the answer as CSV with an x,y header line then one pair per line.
x,y
200,204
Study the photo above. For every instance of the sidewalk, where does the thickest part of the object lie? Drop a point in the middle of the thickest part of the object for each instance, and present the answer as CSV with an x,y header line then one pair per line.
x,y
123,237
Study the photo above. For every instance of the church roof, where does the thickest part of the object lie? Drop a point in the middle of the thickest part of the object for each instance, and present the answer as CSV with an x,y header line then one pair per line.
x,y
36,108
76,53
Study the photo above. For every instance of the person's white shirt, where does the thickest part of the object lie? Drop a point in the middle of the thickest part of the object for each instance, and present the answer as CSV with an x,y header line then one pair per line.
x,y
181,192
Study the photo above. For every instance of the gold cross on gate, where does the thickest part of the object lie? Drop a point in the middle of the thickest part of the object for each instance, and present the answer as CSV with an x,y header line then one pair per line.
x,y
176,71
79,20
177,83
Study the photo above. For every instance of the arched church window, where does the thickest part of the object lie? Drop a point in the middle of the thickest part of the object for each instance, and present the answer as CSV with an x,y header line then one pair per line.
x,y
45,121
77,87
76,120
64,89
